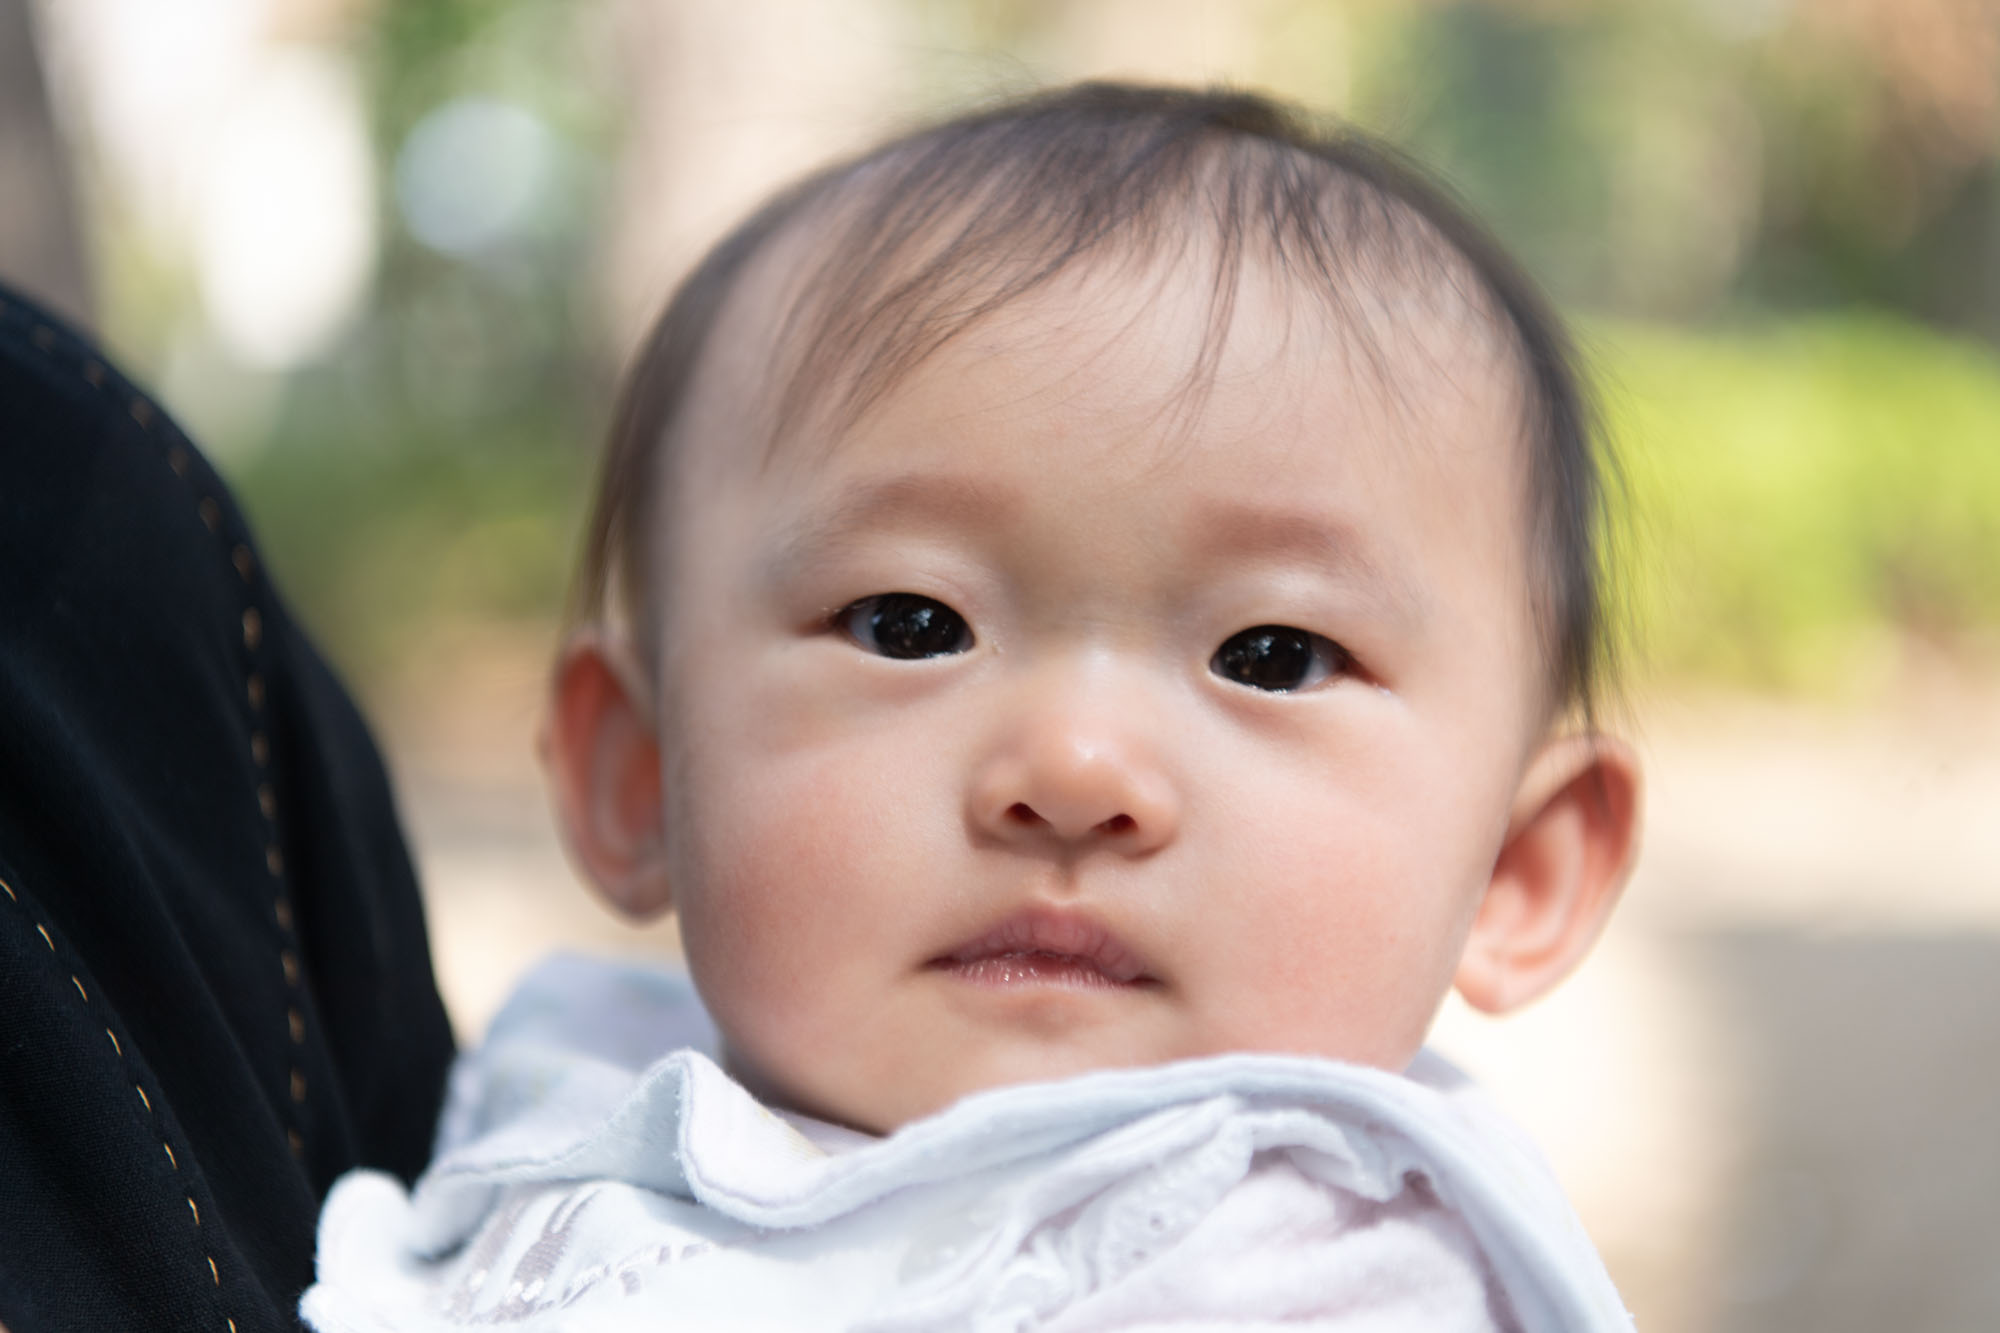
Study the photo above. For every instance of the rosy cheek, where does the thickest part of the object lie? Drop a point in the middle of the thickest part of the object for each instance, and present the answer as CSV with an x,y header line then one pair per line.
x,y
781,899
1324,942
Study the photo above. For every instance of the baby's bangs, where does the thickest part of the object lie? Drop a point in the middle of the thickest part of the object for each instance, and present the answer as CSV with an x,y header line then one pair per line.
x,y
928,237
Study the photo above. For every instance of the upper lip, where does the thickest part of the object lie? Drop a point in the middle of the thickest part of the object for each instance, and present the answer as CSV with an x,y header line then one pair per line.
x,y
1056,932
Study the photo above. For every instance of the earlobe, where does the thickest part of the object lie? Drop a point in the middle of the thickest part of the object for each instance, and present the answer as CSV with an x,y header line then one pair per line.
x,y
1570,843
602,752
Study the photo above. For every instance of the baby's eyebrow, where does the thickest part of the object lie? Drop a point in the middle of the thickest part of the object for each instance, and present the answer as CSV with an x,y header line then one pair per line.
x,y
923,499
1239,531
1221,532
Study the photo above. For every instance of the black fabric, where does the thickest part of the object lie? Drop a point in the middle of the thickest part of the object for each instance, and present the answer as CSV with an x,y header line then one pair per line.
x,y
215,986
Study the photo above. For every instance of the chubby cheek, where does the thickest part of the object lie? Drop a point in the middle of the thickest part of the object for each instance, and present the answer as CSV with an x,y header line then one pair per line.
x,y
1343,941
759,914
792,885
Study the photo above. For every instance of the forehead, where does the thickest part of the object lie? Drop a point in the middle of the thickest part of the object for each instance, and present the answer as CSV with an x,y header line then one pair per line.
x,y
1114,382
1237,341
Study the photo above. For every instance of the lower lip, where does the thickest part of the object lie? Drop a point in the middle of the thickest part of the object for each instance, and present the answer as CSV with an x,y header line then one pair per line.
x,y
1034,969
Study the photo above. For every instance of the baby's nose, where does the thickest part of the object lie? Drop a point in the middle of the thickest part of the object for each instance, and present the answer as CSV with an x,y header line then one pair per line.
x,y
1076,785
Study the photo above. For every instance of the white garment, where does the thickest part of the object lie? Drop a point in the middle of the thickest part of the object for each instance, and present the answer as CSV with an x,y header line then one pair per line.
x,y
582,1183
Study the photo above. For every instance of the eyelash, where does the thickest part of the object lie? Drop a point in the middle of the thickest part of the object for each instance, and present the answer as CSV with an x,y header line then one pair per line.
x,y
912,622
1316,658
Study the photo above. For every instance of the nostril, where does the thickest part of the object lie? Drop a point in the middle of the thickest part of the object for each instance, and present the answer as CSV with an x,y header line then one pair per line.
x,y
1118,824
1021,813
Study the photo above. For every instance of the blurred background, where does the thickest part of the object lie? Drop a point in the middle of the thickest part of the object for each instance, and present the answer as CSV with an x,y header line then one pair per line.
x,y
385,261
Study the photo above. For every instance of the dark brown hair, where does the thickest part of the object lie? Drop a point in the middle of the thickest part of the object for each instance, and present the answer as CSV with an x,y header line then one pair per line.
x,y
918,239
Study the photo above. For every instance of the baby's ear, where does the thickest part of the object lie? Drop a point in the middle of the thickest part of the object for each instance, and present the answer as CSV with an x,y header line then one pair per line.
x,y
1571,838
602,754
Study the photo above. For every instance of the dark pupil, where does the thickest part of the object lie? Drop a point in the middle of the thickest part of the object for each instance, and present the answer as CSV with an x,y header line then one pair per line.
x,y
1269,657
909,626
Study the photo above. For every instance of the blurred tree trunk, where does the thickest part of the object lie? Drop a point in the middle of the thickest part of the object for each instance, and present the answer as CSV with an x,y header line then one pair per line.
x,y
40,250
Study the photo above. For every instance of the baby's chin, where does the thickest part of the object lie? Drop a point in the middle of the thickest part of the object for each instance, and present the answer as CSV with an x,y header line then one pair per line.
x,y
887,1105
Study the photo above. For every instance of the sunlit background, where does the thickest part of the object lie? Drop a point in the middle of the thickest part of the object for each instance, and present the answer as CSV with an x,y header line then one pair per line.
x,y
385,260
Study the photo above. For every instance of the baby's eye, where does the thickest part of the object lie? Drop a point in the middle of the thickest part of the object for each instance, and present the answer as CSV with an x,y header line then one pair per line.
x,y
904,625
1279,658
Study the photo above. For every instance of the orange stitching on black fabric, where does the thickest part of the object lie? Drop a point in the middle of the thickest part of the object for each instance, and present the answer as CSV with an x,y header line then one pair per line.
x,y
180,459
118,1051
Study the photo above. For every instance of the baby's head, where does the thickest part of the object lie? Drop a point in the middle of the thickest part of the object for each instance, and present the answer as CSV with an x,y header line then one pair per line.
x,y
1104,581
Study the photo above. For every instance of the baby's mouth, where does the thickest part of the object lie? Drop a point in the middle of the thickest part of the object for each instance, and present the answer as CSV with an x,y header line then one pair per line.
x,y
1045,947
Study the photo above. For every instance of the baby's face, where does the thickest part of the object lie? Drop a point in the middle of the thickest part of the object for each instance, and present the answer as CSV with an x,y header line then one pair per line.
x,y
1067,711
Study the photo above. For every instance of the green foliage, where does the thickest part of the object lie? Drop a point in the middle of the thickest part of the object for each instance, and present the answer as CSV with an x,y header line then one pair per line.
x,y
431,467
374,538
1806,495
1680,161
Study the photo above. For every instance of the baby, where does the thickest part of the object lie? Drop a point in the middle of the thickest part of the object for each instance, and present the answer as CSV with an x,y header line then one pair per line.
x,y
1091,623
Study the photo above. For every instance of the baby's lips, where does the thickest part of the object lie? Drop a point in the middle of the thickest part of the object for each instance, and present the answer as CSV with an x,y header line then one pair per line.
x,y
1063,934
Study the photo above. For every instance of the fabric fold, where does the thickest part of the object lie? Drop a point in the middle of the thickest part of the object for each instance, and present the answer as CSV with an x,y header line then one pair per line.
x,y
596,1191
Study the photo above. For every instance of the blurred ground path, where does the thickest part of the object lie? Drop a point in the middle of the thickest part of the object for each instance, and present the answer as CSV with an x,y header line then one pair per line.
x,y
1774,1091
